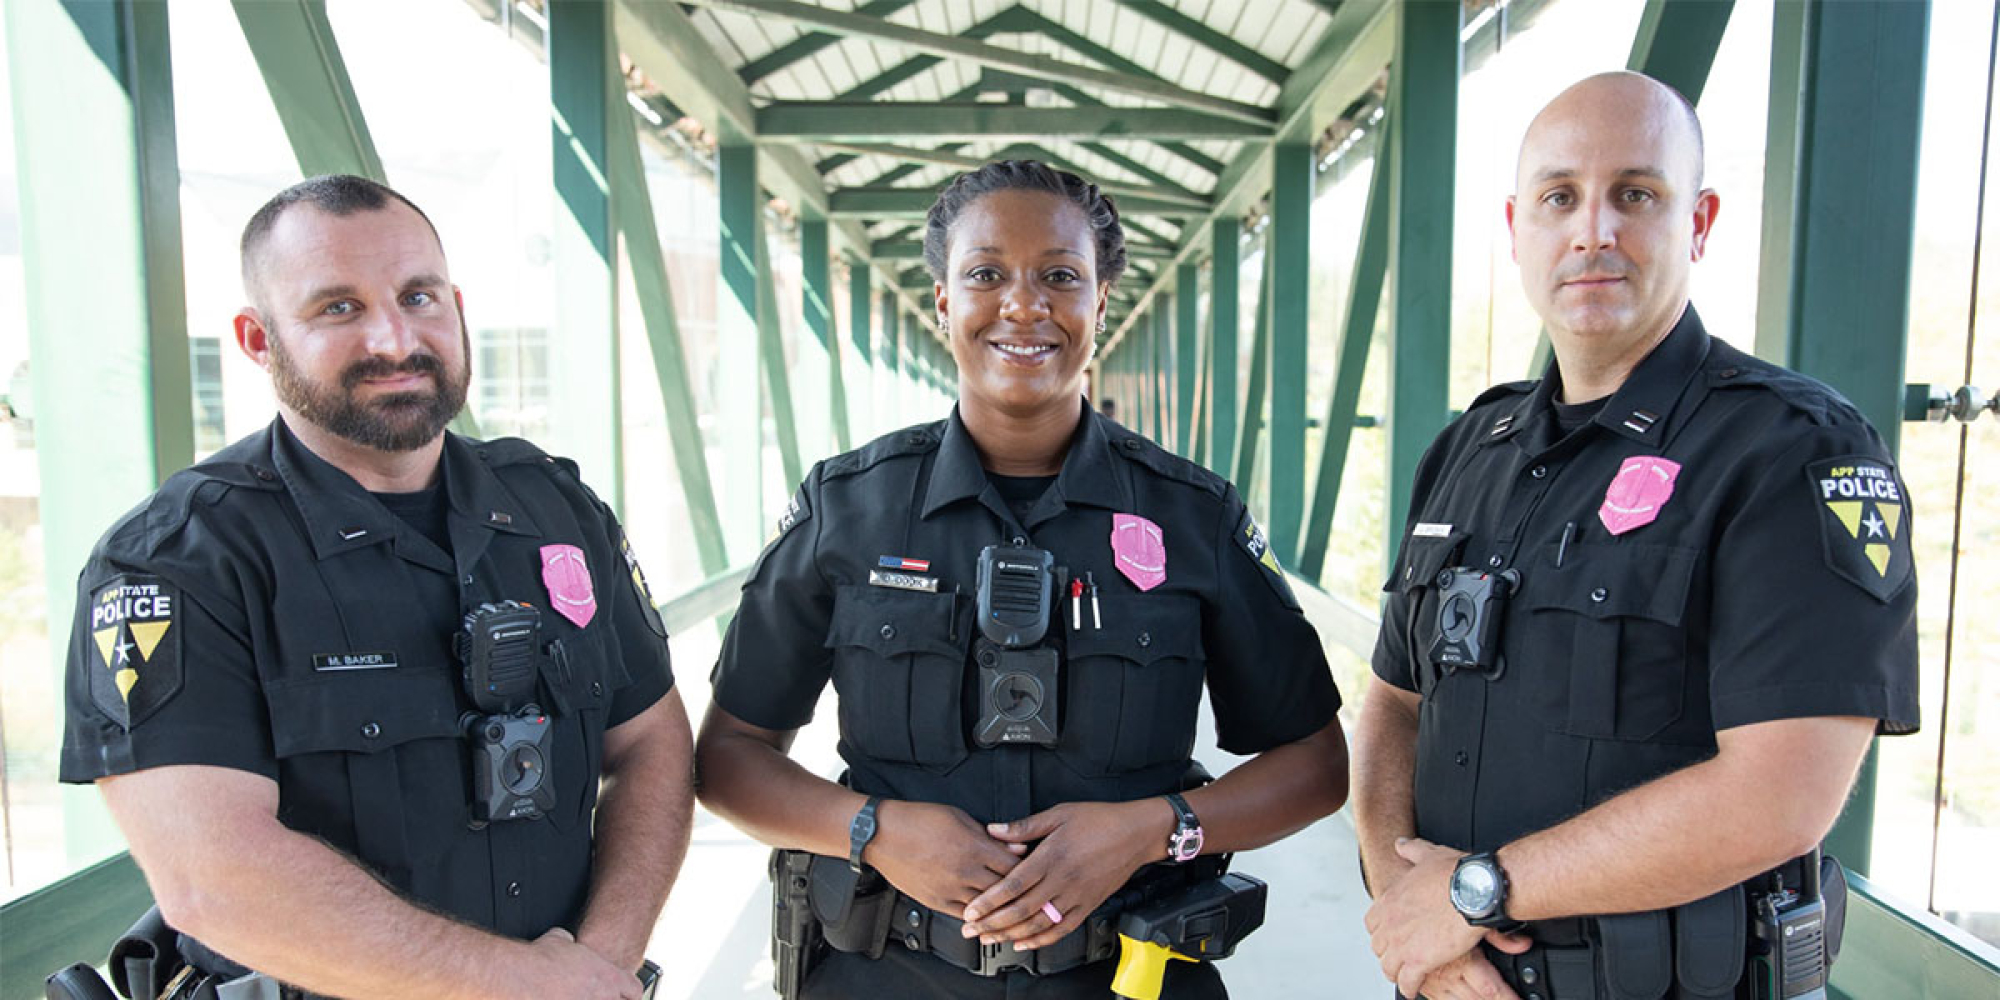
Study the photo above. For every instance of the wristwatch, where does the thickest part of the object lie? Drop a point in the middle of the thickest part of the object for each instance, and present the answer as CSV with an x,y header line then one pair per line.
x,y
1185,843
861,831
1479,892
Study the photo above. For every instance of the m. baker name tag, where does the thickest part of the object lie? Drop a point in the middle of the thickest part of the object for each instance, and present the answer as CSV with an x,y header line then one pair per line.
x,y
354,661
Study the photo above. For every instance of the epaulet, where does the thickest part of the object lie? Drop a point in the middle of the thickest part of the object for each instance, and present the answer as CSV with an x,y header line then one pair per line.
x,y
1168,465
1504,390
162,515
513,451
913,440
1729,368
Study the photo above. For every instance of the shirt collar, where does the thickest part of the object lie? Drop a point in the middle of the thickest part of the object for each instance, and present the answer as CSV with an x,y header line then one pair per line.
x,y
1641,408
1086,476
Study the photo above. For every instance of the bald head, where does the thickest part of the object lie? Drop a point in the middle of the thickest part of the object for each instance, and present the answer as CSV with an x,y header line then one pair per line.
x,y
1619,108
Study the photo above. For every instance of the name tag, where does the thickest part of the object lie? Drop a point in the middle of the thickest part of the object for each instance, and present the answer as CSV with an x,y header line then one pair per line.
x,y
354,661
1427,529
903,581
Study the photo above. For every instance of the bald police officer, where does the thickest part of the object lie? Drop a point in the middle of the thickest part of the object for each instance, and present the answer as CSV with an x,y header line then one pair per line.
x,y
263,683
1648,612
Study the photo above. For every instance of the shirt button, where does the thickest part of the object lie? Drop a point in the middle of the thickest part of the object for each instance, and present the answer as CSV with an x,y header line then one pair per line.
x,y
917,437
513,888
1132,444
1730,372
1019,541
1539,472
265,474
1529,976
370,730
888,631
1495,562
596,689
467,579
1461,758
1599,595
1145,638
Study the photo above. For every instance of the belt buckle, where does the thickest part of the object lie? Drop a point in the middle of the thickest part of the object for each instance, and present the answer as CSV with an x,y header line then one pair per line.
x,y
1000,956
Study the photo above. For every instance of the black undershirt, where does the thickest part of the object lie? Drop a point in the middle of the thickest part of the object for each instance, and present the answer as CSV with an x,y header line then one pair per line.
x,y
1020,493
422,510
1570,416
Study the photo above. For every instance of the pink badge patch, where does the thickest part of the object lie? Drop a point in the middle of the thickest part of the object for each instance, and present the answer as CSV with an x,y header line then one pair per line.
x,y
568,578
1637,493
1139,550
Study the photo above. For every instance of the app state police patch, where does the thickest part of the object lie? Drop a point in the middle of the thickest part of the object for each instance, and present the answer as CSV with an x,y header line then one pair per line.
x,y
1864,522
1250,538
134,655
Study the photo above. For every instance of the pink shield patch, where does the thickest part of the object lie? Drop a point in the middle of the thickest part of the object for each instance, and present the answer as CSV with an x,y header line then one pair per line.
x,y
1637,493
1139,550
568,578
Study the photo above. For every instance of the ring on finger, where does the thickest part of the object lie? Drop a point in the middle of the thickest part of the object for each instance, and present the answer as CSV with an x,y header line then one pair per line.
x,y
1049,910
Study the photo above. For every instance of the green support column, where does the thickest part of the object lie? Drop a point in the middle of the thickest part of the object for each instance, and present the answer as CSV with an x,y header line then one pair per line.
x,y
1781,151
1860,113
861,334
1163,372
1290,246
777,368
100,223
1357,333
816,272
1676,42
1251,424
739,399
889,365
1187,353
1423,87
1203,402
633,205
1225,272
585,90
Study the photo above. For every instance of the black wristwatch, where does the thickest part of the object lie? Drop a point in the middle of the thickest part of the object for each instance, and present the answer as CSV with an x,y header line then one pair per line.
x,y
1185,843
1479,892
861,831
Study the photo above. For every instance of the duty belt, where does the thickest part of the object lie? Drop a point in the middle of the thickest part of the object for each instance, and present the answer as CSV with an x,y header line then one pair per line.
x,y
923,929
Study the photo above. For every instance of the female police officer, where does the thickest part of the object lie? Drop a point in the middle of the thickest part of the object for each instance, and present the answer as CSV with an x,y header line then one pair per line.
x,y
1006,781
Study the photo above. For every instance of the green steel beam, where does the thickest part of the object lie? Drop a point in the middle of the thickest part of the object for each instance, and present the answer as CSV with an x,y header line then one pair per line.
x,y
113,409
1364,297
807,44
995,56
1781,151
740,322
1187,354
1209,38
816,270
777,371
915,203
77,919
300,60
1423,87
1861,112
1891,950
872,121
1676,42
1251,425
633,204
861,335
1290,245
1174,195
586,94
1163,373
1344,64
1225,312
1203,405
890,389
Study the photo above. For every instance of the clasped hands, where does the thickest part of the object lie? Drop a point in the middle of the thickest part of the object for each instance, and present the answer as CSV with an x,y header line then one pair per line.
x,y
1427,949
1002,879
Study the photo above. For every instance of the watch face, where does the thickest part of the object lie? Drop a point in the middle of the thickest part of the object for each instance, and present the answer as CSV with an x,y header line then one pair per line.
x,y
1475,889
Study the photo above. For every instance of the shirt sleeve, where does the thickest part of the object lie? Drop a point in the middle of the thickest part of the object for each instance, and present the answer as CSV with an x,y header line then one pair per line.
x,y
641,635
1268,678
159,675
774,661
1814,611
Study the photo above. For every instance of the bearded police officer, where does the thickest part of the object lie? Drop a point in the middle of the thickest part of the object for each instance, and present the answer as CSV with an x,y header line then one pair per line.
x,y
1647,614
349,687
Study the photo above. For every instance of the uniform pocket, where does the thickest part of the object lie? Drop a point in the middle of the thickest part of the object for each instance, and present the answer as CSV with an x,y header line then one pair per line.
x,y
899,673
1134,685
1614,613
1415,577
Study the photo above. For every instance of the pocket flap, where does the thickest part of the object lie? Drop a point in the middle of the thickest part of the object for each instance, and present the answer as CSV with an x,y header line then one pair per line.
x,y
1607,581
362,712
894,622
1422,557
1140,627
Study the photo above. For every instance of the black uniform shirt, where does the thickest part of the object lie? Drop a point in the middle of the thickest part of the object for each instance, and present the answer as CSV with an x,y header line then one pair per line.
x,y
263,612
900,658
1763,572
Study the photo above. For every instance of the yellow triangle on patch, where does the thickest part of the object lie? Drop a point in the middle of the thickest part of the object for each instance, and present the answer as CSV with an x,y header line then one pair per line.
x,y
105,638
1892,513
148,635
1270,562
1878,554
1849,512
125,679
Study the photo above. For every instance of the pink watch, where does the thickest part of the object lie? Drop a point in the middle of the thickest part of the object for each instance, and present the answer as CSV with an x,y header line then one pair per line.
x,y
1184,845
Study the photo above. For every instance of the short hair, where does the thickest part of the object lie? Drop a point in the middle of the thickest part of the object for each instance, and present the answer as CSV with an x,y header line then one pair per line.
x,y
334,194
1694,128
1106,233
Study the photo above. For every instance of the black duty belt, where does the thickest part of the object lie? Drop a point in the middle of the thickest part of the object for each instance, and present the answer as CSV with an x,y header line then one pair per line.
x,y
923,929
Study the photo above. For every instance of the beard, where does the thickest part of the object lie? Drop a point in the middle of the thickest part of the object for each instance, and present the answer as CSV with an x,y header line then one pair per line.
x,y
395,422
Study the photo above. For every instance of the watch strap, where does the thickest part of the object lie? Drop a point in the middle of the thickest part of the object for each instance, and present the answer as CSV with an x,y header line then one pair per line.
x,y
860,831
1184,845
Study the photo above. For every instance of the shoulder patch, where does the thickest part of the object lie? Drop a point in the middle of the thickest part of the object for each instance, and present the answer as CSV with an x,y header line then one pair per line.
x,y
648,609
134,655
798,512
1249,536
1864,522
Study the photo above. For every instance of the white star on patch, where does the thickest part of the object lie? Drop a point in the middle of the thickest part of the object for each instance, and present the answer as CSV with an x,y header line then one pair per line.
x,y
1875,525
124,651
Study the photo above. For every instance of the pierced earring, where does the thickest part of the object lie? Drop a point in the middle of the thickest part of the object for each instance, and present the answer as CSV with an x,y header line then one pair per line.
x,y
944,324
1100,324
